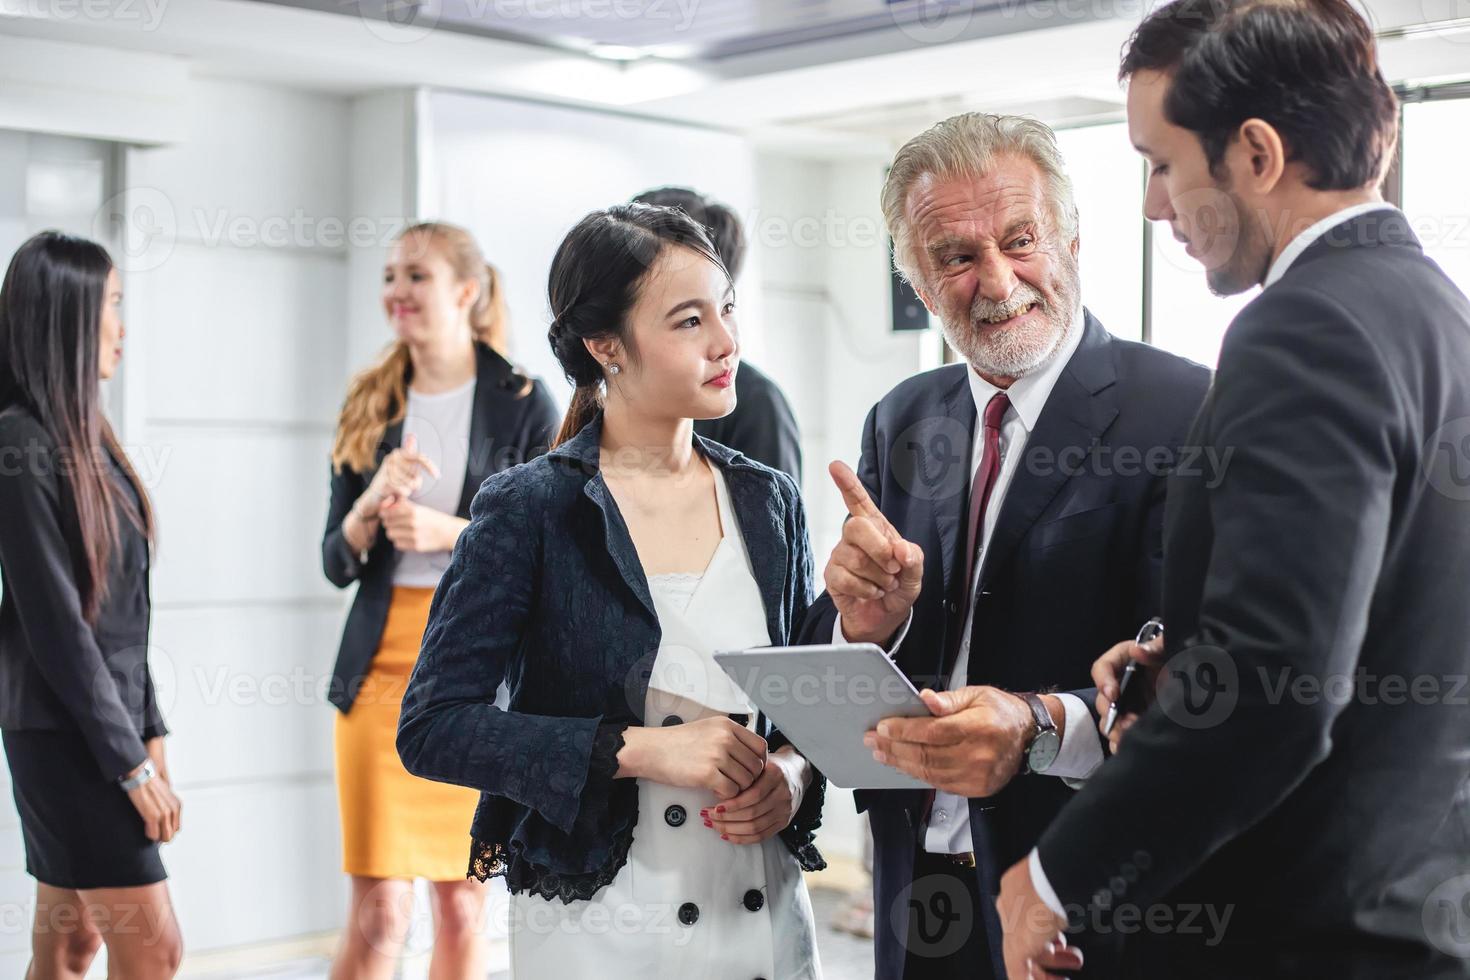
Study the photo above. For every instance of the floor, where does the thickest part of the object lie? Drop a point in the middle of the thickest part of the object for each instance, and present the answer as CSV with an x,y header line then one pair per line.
x,y
844,957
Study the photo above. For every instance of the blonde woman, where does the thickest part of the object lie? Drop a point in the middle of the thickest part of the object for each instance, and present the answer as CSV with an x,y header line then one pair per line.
x,y
419,431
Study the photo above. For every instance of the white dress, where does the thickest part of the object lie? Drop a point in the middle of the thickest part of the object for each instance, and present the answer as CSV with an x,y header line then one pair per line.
x,y
686,904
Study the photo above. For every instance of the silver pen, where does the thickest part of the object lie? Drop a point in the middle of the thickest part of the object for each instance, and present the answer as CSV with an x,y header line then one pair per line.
x,y
1150,631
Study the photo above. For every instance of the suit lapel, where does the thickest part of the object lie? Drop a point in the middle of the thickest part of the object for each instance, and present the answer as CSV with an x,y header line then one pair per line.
x,y
477,462
950,507
619,541
1077,413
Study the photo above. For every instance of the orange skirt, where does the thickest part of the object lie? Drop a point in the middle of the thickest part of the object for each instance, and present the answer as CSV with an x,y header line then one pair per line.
x,y
396,825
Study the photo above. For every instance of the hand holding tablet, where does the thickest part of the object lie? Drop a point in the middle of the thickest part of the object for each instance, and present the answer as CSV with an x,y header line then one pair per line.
x,y
825,699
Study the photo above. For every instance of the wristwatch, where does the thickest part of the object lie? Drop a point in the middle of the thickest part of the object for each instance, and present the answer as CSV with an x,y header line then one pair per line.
x,y
1041,752
130,783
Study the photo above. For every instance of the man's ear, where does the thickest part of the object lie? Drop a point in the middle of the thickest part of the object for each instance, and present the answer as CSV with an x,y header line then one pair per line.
x,y
924,298
1076,245
1259,146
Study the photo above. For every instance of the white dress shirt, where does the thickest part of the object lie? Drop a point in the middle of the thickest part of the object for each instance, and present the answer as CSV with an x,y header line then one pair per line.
x,y
441,424
1288,255
948,831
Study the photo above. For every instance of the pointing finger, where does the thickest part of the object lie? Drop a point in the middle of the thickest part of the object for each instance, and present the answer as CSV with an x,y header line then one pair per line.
x,y
855,496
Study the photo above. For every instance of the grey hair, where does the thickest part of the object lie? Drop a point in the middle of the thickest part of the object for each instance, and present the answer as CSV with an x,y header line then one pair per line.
x,y
967,145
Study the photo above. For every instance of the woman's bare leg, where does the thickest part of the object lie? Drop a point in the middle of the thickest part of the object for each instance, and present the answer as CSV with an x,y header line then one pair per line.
x,y
139,928
63,939
378,920
460,951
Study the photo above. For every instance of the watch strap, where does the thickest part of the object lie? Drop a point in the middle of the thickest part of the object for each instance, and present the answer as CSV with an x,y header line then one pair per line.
x,y
1044,723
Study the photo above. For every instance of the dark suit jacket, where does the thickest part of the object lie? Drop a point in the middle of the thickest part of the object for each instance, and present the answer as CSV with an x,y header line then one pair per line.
x,y
1290,774
1072,568
546,591
57,671
762,425
506,428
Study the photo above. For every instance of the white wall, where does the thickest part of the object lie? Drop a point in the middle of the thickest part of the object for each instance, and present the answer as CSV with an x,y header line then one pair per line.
x,y
519,175
239,328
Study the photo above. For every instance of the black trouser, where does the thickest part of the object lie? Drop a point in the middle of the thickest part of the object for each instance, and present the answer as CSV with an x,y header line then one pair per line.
x,y
947,936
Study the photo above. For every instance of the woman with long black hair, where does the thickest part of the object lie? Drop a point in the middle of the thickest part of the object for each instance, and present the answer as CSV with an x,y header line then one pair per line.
x,y
82,728
647,822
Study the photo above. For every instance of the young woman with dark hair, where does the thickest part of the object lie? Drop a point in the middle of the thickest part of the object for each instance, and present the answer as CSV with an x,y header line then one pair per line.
x,y
82,729
419,431
647,822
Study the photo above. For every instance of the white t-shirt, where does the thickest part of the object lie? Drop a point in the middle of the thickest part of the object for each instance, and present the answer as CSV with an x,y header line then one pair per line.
x,y
441,423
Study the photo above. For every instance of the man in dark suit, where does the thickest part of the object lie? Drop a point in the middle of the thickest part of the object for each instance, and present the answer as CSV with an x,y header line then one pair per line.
x,y
762,426
1004,520
1296,801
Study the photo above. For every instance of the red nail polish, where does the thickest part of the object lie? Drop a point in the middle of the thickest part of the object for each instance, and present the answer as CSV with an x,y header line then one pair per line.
x,y
724,837
719,809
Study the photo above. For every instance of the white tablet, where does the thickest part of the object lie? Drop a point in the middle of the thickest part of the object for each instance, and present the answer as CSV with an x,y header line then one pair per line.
x,y
824,698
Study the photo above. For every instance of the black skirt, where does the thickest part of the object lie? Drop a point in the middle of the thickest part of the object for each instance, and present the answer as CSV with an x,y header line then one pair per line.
x,y
80,828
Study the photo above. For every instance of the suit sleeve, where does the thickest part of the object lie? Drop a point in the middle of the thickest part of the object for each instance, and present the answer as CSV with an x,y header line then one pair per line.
x,y
822,617
1301,516
449,728
340,563
43,586
776,441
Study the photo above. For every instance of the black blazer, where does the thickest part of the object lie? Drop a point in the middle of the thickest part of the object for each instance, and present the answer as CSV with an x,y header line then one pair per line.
x,y
57,672
1290,774
1072,567
546,591
506,428
762,426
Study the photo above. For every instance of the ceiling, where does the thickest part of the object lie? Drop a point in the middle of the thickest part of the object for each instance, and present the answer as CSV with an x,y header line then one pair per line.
x,y
817,77
695,30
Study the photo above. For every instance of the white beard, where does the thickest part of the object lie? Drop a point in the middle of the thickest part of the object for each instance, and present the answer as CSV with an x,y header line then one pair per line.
x,y
1015,352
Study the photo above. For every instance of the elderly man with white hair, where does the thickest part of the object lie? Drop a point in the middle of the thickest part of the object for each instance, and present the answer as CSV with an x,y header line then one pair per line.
x,y
1005,525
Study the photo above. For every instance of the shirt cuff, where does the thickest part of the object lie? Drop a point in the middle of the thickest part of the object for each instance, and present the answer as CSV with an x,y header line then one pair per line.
x,y
839,639
1042,887
1081,752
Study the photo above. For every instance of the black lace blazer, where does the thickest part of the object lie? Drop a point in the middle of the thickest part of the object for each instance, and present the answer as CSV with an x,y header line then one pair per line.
x,y
545,591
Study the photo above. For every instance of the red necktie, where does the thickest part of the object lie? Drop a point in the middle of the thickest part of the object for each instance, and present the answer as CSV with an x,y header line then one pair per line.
x,y
989,469
985,475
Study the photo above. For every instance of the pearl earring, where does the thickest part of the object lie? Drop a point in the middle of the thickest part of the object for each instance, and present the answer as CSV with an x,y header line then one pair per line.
x,y
614,369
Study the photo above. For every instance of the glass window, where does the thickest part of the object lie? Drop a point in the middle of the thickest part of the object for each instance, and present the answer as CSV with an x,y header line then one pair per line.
x,y
1107,180
1435,193
1187,318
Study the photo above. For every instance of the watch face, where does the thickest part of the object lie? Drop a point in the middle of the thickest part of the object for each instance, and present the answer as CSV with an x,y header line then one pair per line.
x,y
1043,752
